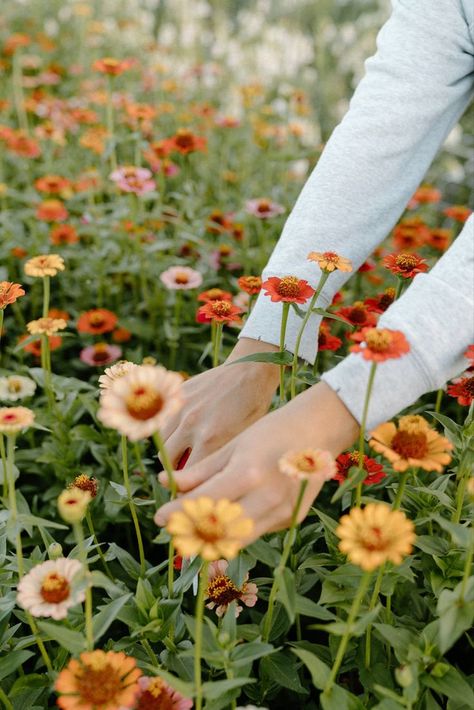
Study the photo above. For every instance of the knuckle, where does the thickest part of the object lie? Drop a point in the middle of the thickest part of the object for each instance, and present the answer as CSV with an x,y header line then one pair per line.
x,y
252,476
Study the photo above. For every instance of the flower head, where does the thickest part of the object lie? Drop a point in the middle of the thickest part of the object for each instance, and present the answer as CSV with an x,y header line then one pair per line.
x,y
405,265
15,419
49,589
97,321
184,141
345,462
112,66
85,483
214,294
133,179
209,528
460,213
9,293
63,234
357,315
440,239
221,591
463,389
98,679
250,284
469,354
424,195
15,387
414,443
289,289
374,535
181,278
219,312
327,341
263,208
100,354
115,372
51,211
156,694
140,402
44,265
330,261
308,463
380,344
380,303
411,233
46,326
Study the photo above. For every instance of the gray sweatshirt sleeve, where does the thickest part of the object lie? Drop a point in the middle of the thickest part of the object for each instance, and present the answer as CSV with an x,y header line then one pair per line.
x,y
416,87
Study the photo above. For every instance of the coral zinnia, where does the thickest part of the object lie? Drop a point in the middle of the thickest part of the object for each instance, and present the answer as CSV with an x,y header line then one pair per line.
x,y
112,66
214,294
156,694
380,344
44,265
14,419
327,341
374,535
460,213
140,402
9,292
98,679
51,211
358,315
221,591
219,312
405,265
289,289
250,284
308,463
184,141
330,261
411,233
413,444
63,234
375,472
48,589
380,303
97,321
181,278
209,528
463,389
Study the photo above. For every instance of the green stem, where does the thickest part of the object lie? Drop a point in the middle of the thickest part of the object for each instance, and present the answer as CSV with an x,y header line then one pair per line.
x,y
217,344
79,535
399,289
373,602
370,383
460,493
131,505
18,97
110,124
46,295
283,560
5,701
364,582
90,525
161,448
198,633
439,398
12,501
2,313
294,365
150,652
284,321
176,320
3,456
467,568
400,490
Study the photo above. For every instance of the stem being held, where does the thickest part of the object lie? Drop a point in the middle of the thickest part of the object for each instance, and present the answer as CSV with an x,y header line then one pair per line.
x,y
131,505
284,321
198,633
373,368
161,448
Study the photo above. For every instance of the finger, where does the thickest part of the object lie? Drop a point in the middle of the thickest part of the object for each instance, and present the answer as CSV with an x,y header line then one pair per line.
x,y
177,445
170,426
199,452
192,476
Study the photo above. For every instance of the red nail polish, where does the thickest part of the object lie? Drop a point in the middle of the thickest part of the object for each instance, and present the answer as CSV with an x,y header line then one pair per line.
x,y
184,459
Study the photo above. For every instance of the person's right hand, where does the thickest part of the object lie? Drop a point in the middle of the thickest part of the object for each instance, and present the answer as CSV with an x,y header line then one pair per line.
x,y
220,403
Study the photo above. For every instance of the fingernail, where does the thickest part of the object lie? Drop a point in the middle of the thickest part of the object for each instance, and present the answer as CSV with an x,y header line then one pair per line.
x,y
163,477
159,520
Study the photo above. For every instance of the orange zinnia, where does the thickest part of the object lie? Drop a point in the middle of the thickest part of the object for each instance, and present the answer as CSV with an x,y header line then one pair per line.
x,y
111,66
97,321
250,284
214,294
185,141
330,261
380,344
53,184
405,265
9,293
63,234
458,212
413,444
34,347
219,312
358,315
411,233
98,679
51,211
289,289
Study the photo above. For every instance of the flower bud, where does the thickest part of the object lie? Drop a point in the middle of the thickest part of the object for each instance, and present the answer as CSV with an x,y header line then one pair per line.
x,y
55,550
72,504
404,676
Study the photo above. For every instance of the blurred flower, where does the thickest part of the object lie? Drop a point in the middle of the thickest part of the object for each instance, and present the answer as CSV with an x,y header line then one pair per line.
x,y
23,146
121,335
380,344
181,278
371,466
308,463
219,312
133,179
85,483
34,347
330,261
380,302
100,354
460,213
374,535
98,679
463,389
358,315
426,194
72,504
15,419
46,326
289,289
9,293
51,211
440,239
44,265
63,234
214,294
184,141
49,590
250,284
469,354
115,372
52,184
15,387
405,265
414,444
14,42
411,233
140,402
221,591
263,208
97,321
156,694
327,341
209,528
111,66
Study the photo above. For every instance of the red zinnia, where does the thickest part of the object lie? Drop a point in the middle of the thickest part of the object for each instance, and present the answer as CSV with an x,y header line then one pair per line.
x,y
97,321
380,344
219,312
289,289
458,212
411,233
405,265
214,294
375,472
326,341
184,141
463,389
381,301
357,314
469,354
250,284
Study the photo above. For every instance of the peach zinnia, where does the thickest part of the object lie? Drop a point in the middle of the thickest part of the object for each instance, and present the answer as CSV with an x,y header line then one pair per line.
x,y
49,590
219,312
98,679
9,293
414,443
289,289
44,265
115,372
15,419
46,326
97,321
209,528
380,344
140,402
156,694
330,261
308,463
221,590
374,535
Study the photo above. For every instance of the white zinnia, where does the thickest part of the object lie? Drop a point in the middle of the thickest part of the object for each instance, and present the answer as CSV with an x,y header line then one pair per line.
x,y
50,590
15,387
114,373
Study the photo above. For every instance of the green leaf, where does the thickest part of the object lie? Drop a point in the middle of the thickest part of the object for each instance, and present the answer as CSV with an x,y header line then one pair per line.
x,y
453,685
129,563
72,641
13,660
299,311
354,477
107,615
24,519
399,639
213,690
340,699
248,652
319,670
339,628
275,358
286,590
460,534
332,316
445,421
264,552
456,616
306,607
282,668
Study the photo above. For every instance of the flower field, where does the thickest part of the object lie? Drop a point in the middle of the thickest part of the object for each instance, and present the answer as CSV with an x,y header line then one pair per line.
x,y
150,153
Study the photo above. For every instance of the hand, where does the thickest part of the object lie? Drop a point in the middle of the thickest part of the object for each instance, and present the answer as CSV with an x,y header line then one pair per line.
x,y
246,469
220,403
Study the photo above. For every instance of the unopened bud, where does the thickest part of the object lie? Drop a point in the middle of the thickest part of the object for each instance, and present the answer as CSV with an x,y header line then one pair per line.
x,y
72,504
55,550
404,676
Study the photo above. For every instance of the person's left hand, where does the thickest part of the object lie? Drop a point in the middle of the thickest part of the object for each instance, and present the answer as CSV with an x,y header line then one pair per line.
x,y
246,469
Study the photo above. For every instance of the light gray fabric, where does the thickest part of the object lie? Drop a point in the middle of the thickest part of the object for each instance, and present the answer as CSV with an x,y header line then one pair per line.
x,y
416,87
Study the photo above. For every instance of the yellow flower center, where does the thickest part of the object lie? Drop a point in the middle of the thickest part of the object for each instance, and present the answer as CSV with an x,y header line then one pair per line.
x,y
99,683
221,590
14,385
181,278
55,588
406,261
378,340
263,206
156,687
96,319
221,308
86,483
289,286
410,445
209,528
143,402
373,540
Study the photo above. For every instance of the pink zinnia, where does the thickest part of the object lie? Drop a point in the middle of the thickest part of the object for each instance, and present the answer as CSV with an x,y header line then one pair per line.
x,y
181,278
263,208
133,179
221,591
156,693
100,354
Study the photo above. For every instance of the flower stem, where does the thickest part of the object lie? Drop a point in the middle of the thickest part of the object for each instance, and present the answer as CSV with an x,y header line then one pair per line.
x,y
176,320
46,295
460,493
284,321
364,582
18,96
467,568
198,633
294,365
216,344
12,501
439,399
370,383
373,602
3,456
161,448
401,488
283,560
90,525
2,313
110,125
79,535
131,505
5,701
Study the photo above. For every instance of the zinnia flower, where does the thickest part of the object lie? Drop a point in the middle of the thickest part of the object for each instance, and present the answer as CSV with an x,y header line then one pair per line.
x,y
9,293
411,233
133,179
156,694
327,341
375,472
380,344
263,208
374,535
330,261
34,347
440,239
97,321
53,184
184,141
460,213
15,419
100,354
15,387
44,265
98,679
48,589
219,312
140,402
426,194
85,483
181,278
112,66
221,591
289,289
51,211
405,265
209,528
46,326
115,372
214,294
463,389
469,354
380,303
72,504
308,463
413,444
357,315
63,234
250,284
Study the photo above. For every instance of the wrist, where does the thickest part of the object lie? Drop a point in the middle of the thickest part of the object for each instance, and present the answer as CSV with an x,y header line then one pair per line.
x,y
266,370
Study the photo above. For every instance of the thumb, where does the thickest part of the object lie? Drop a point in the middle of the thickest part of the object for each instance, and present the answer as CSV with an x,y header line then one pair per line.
x,y
192,476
